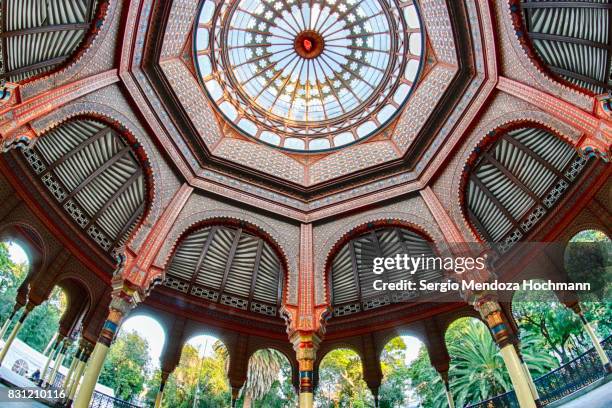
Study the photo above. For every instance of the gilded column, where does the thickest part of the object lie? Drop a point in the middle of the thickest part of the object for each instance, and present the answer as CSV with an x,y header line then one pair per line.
x,y
160,392
59,361
15,331
490,310
86,350
8,321
121,304
50,344
447,391
70,373
305,346
54,351
532,386
605,361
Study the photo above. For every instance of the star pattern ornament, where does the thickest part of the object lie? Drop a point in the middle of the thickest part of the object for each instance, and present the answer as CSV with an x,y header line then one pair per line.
x,y
289,72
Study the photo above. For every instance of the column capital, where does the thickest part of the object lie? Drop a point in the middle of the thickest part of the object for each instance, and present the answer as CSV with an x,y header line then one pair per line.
x,y
491,311
124,298
305,344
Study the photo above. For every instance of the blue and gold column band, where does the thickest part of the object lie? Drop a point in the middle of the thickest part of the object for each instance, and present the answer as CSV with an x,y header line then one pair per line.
x,y
491,312
306,375
123,301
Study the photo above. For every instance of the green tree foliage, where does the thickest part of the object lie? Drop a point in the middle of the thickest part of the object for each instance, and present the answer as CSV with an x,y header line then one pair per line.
x,y
196,382
43,321
426,381
268,383
477,371
396,381
588,258
126,366
341,381
11,276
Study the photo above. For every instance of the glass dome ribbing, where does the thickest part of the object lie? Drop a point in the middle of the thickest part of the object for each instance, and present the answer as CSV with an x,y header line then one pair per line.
x,y
312,75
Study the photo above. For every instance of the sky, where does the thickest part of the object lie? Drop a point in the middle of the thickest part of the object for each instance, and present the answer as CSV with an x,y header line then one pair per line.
x,y
151,331
17,254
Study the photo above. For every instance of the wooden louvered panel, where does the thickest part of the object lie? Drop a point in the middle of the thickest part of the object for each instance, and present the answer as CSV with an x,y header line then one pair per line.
x,y
573,39
101,181
213,268
352,278
343,284
229,266
513,179
241,271
40,35
268,277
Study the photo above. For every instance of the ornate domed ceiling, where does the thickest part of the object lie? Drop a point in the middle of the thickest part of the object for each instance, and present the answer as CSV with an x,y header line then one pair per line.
x,y
308,76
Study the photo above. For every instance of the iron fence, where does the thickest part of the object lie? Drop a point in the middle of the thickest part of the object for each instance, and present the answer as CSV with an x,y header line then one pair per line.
x,y
100,400
561,382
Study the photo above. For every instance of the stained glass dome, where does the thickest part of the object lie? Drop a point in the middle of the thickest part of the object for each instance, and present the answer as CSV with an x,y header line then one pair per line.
x,y
308,76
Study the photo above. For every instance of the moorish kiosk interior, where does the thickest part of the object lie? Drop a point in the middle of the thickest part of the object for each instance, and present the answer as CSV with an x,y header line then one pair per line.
x,y
234,165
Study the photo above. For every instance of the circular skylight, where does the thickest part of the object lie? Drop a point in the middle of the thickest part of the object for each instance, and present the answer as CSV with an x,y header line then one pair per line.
x,y
308,76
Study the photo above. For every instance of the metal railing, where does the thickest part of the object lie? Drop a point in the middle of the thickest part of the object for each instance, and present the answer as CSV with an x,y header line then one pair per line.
x,y
100,400
571,377
505,400
559,383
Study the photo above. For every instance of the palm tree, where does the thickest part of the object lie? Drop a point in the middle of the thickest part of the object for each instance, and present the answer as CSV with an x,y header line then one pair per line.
x,y
477,369
264,369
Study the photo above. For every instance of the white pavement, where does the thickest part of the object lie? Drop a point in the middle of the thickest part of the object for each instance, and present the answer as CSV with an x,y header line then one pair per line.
x,y
600,397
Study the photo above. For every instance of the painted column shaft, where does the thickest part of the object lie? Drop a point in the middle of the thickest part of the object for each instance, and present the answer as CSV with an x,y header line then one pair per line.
x,y
517,376
69,374
50,344
532,386
605,361
158,398
90,378
449,398
306,400
5,326
306,386
58,364
51,357
10,340
76,380
160,394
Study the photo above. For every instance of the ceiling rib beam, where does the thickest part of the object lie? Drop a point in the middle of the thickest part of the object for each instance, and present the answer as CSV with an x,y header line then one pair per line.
x,y
115,196
580,77
203,253
230,260
87,142
45,29
511,177
493,199
565,4
32,67
108,164
534,156
255,270
355,271
569,40
128,224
